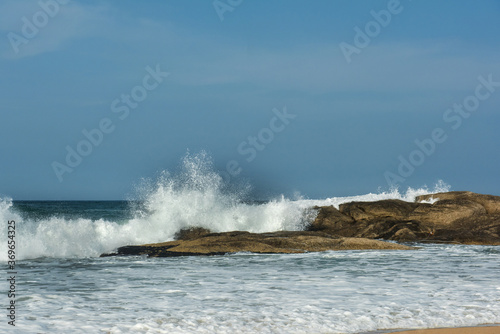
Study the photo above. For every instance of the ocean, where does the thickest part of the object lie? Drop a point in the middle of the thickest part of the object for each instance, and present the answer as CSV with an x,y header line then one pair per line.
x,y
63,286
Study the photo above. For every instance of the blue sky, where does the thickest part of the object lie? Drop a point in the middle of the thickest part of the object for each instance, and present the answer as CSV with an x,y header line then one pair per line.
x,y
356,119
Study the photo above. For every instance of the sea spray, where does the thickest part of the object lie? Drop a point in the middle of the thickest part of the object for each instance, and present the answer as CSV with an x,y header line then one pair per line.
x,y
409,196
196,196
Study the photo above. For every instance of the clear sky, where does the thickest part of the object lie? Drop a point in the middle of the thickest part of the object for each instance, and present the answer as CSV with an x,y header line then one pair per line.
x,y
325,98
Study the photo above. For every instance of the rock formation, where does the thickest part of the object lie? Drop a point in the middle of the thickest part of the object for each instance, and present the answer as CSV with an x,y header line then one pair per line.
x,y
276,242
459,216
453,217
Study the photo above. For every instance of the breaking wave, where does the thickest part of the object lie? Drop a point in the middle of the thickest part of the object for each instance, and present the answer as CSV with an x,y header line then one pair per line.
x,y
197,196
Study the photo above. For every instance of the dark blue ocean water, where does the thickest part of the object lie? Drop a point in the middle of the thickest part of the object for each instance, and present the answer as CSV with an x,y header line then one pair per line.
x,y
118,211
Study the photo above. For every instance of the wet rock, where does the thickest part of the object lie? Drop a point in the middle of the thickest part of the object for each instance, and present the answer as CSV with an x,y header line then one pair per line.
x,y
456,217
385,208
276,242
328,218
461,217
444,212
191,233
489,202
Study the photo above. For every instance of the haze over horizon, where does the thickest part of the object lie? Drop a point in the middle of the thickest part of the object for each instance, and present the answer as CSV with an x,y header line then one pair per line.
x,y
319,98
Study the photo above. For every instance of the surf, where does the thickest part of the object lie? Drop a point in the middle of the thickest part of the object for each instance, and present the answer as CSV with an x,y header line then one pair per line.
x,y
195,196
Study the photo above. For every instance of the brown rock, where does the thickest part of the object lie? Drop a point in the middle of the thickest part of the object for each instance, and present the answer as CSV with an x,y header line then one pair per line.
x,y
386,208
462,217
276,242
489,202
329,218
375,220
404,234
445,212
484,228
457,217
191,233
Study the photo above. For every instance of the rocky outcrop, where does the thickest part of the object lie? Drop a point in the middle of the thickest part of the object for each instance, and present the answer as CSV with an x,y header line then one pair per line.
x,y
191,233
462,217
453,217
234,242
490,203
389,208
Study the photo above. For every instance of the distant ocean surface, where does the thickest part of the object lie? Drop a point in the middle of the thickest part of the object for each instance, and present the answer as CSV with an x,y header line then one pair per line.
x,y
62,286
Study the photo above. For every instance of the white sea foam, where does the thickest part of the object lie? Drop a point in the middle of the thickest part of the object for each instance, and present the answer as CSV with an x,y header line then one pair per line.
x,y
409,195
330,292
64,288
196,196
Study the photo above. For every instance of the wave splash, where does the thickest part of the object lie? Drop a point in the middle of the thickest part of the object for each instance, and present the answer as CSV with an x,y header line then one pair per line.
x,y
197,196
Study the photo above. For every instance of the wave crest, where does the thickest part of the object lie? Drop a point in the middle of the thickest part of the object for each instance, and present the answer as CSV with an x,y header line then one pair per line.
x,y
196,196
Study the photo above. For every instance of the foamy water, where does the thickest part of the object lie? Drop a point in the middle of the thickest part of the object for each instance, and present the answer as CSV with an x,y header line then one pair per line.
x,y
62,286
195,197
329,292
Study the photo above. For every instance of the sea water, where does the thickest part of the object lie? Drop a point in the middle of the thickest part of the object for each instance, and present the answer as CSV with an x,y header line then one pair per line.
x,y
63,286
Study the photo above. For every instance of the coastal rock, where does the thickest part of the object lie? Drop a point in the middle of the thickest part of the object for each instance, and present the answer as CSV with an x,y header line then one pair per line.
x,y
385,208
276,242
489,202
456,217
445,212
461,217
330,218
405,234
191,233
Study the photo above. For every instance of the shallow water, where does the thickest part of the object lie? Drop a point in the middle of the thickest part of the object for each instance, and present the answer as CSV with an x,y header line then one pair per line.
x,y
62,286
328,292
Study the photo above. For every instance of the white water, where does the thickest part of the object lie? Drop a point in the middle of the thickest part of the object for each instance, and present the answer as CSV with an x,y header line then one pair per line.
x,y
196,196
63,287
328,292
